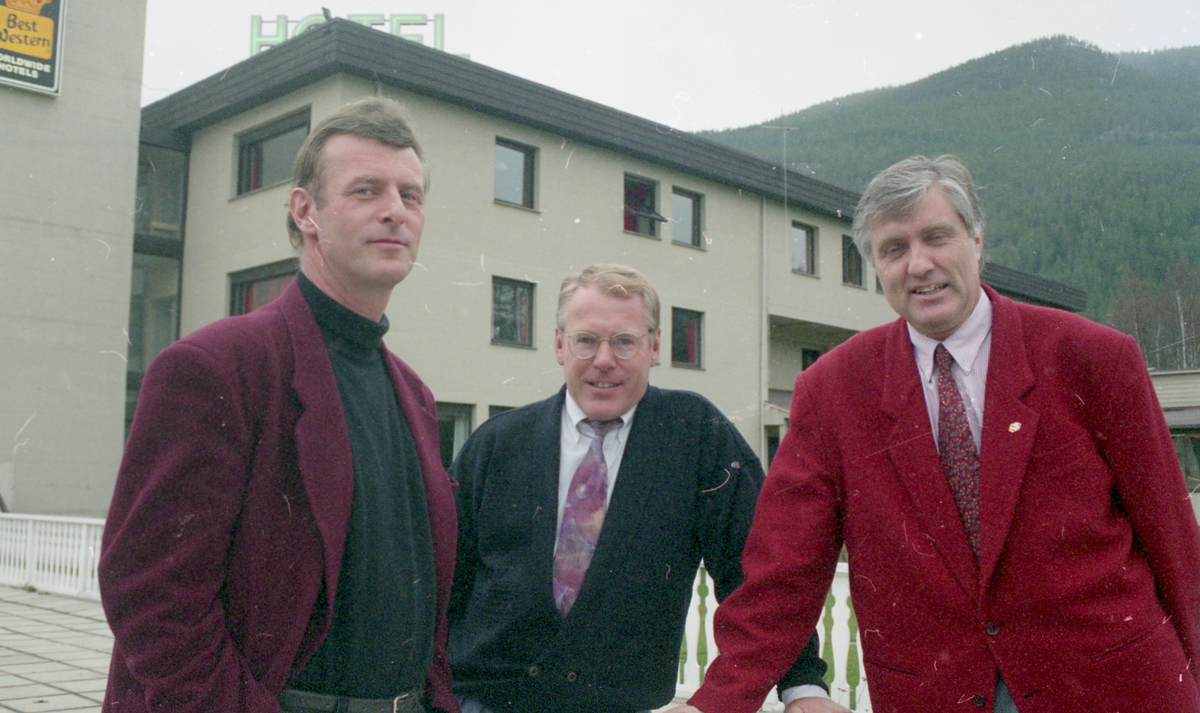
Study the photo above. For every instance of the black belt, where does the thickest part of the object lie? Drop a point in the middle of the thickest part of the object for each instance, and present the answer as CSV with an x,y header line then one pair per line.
x,y
294,700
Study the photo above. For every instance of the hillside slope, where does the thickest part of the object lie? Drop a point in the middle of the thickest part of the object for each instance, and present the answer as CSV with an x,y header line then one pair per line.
x,y
1088,162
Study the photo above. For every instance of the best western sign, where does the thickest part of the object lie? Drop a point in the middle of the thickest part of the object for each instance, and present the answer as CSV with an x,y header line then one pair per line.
x,y
265,34
31,44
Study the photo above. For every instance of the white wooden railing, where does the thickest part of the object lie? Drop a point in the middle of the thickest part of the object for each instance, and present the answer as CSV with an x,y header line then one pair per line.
x,y
59,555
50,554
838,635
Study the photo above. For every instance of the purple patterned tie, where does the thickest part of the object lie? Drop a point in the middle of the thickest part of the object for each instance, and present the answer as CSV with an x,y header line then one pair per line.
x,y
960,458
583,516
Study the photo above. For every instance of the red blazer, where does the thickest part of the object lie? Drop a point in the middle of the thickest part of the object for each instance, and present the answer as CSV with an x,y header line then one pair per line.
x,y
229,517
1086,595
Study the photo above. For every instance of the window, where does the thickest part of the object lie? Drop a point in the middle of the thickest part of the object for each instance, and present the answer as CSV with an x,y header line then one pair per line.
x,y
514,173
852,262
641,214
153,318
494,410
808,357
686,217
512,312
686,334
454,425
267,155
804,249
160,193
253,288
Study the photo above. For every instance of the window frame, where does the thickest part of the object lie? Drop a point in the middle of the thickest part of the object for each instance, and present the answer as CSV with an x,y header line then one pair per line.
x,y
530,289
245,180
810,249
635,218
451,416
852,262
281,270
680,315
528,177
696,239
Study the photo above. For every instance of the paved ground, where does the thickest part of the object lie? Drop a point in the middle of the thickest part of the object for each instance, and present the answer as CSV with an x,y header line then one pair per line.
x,y
54,653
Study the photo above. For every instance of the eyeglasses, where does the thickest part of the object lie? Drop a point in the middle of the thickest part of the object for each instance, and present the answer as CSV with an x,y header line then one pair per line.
x,y
624,345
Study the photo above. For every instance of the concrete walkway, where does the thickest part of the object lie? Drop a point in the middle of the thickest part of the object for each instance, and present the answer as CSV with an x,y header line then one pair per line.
x,y
54,652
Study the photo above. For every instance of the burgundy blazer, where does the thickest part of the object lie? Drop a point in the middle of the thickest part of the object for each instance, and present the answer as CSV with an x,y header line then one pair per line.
x,y
224,540
1086,595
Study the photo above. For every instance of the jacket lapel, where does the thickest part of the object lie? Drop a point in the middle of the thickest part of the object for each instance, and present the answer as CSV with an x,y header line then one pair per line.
x,y
439,497
914,456
543,465
1008,431
322,442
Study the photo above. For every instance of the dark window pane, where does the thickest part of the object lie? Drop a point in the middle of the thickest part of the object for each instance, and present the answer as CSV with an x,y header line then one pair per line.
x,y
686,336
514,174
512,312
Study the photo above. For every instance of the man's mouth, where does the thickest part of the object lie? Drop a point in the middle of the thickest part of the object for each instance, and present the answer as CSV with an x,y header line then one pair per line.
x,y
929,290
603,384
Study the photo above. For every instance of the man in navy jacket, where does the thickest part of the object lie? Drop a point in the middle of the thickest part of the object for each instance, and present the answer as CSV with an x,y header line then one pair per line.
x,y
681,488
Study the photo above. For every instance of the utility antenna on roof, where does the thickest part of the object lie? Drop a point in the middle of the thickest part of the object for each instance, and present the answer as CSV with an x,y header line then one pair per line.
x,y
328,14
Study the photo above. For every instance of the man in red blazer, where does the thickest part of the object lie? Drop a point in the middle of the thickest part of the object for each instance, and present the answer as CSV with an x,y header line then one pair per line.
x,y
282,532
1042,557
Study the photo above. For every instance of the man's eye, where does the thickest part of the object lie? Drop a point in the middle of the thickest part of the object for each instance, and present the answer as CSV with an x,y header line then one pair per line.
x,y
622,342
585,340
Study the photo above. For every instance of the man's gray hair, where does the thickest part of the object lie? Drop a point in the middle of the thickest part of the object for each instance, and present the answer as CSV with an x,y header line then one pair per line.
x,y
896,191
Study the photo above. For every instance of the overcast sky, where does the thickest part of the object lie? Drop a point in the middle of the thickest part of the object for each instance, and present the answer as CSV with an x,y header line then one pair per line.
x,y
690,64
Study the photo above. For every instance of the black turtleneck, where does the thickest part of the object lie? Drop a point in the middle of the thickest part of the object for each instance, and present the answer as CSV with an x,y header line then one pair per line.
x,y
381,640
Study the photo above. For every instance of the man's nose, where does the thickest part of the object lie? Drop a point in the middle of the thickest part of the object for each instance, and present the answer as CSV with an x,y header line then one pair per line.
x,y
920,259
604,354
394,209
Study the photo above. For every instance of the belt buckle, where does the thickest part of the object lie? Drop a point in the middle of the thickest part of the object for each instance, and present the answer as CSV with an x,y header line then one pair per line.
x,y
403,697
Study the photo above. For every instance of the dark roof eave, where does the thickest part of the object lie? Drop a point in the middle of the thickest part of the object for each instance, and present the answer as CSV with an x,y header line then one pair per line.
x,y
340,46
1032,288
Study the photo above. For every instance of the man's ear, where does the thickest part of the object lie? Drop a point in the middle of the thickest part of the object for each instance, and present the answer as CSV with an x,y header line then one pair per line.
x,y
560,347
301,204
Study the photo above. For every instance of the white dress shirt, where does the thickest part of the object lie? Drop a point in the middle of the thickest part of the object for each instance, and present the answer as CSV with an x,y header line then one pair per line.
x,y
971,347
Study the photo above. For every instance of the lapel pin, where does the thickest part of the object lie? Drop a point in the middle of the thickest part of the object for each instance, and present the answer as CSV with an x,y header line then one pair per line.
x,y
1014,426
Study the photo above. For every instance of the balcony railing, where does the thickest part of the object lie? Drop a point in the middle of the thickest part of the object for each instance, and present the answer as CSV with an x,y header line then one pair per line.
x,y
839,646
59,555
50,554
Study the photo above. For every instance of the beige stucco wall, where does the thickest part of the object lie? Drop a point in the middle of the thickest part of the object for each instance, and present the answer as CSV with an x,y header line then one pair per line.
x,y
66,241
441,315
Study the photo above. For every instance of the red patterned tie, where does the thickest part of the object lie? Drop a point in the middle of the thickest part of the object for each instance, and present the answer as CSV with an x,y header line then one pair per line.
x,y
960,458
583,515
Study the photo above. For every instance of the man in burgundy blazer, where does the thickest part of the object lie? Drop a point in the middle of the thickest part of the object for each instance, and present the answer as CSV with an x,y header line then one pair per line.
x,y
1084,594
222,562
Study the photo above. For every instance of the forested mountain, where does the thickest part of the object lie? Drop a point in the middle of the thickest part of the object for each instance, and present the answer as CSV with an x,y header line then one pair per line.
x,y
1088,162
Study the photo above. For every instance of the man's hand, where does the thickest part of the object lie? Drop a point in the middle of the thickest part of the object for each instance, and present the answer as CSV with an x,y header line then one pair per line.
x,y
814,704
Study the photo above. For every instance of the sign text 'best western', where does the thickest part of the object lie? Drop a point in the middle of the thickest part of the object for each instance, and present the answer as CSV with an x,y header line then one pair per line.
x,y
31,44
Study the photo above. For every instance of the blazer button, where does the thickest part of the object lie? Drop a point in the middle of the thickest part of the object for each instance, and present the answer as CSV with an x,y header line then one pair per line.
x,y
992,628
533,671
979,700
572,677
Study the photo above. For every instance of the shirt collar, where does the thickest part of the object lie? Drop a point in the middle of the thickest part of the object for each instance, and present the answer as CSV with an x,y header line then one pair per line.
x,y
574,415
963,345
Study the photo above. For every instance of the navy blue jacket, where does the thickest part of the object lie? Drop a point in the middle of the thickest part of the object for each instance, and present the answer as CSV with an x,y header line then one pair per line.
x,y
686,492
